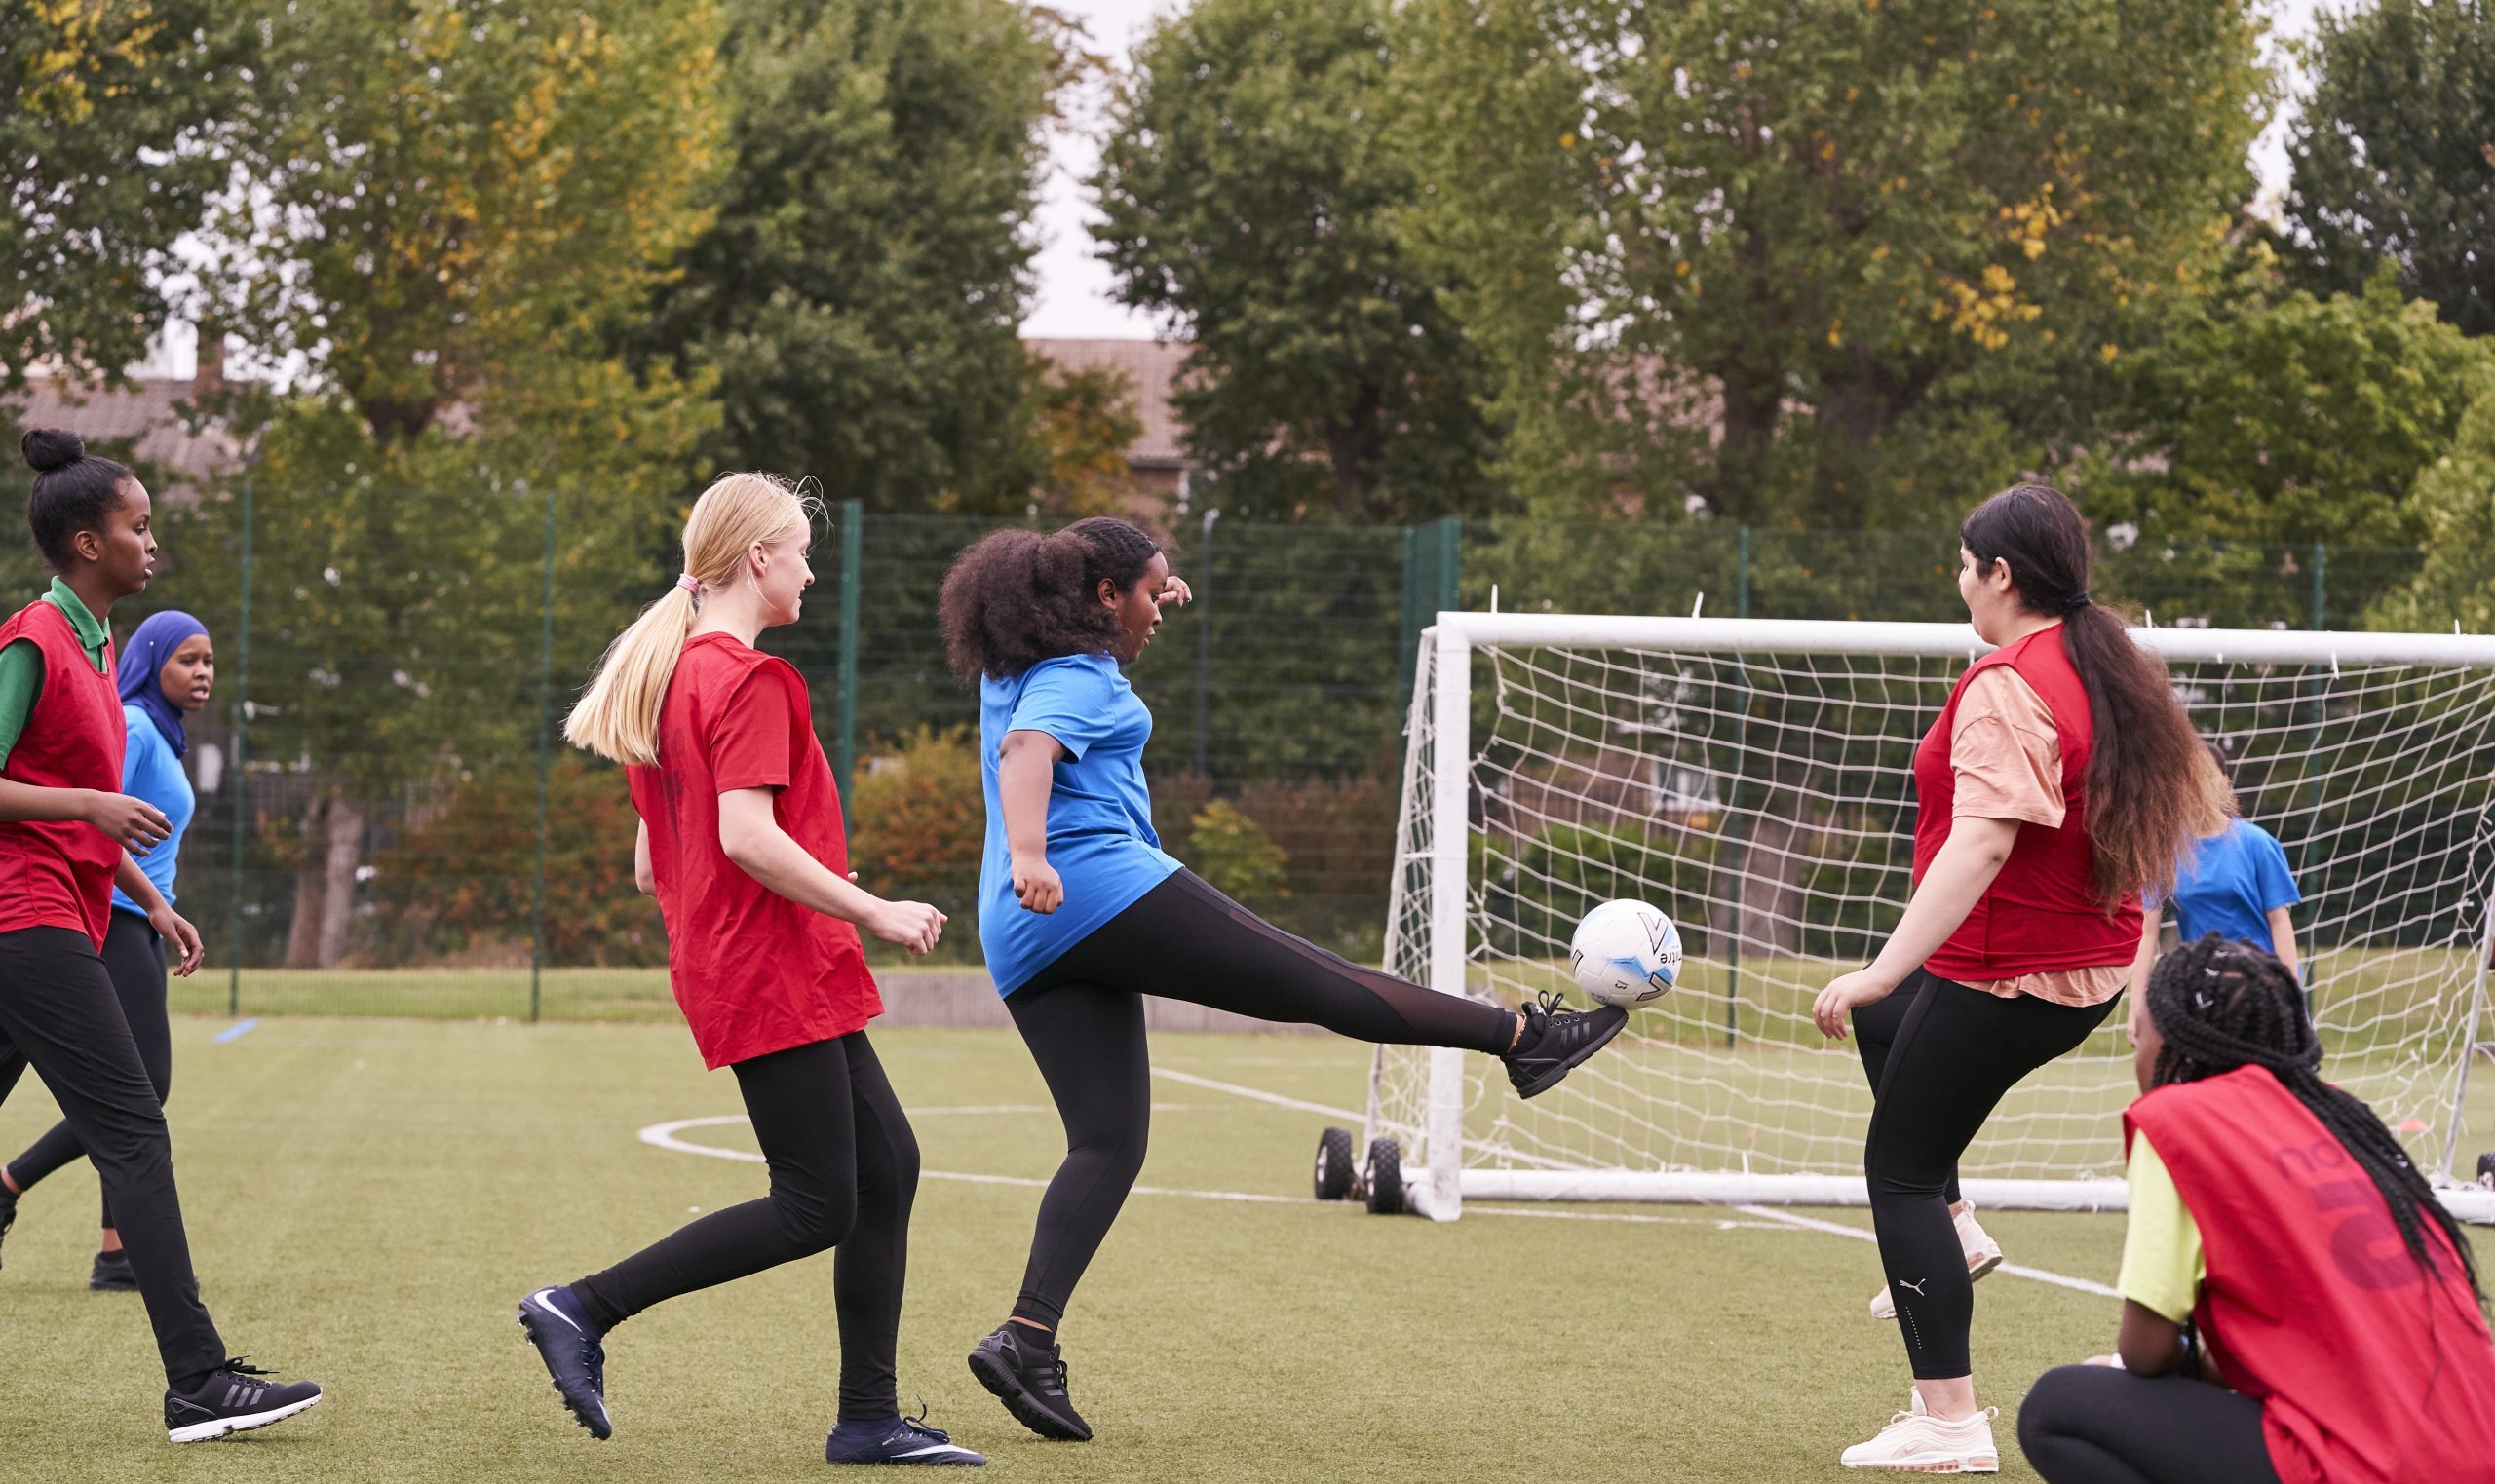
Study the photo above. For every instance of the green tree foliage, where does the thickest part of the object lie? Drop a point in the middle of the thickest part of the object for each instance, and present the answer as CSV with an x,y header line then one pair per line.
x,y
1818,273
2455,500
106,117
1251,188
917,826
2394,153
452,217
2265,415
860,292
1234,852
1077,427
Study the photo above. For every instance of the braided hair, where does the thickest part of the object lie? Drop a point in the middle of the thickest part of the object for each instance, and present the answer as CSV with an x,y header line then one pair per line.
x,y
2222,1004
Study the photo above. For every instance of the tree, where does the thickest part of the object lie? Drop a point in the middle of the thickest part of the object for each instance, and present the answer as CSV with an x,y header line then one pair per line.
x,y
2454,499
106,118
2395,155
1080,425
2266,415
1251,187
450,218
1792,271
860,291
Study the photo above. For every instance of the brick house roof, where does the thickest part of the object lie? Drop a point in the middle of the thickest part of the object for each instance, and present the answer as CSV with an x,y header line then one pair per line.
x,y
1151,365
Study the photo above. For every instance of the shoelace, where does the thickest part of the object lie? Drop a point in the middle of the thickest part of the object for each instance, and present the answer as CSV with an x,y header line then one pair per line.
x,y
240,1365
918,1425
593,1356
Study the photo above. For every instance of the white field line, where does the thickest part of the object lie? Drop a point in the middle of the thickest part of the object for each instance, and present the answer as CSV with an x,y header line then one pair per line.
x,y
1840,1228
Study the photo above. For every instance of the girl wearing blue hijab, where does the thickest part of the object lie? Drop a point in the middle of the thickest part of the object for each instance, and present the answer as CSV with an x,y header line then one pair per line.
x,y
164,675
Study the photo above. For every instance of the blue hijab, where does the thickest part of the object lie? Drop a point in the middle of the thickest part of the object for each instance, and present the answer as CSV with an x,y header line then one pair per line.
x,y
140,675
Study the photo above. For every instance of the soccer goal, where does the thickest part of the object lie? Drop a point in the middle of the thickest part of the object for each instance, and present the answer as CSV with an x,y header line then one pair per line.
x,y
1753,780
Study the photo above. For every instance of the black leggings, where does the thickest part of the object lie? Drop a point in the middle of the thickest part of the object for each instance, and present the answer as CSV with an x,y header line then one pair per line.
x,y
1943,1065
844,1170
1082,1018
2094,1424
57,1011
134,957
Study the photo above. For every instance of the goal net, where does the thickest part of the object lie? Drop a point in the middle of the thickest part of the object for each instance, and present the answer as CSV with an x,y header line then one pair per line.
x,y
1753,778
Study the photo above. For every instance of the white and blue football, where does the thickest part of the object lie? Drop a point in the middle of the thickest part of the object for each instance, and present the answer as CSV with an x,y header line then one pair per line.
x,y
1626,953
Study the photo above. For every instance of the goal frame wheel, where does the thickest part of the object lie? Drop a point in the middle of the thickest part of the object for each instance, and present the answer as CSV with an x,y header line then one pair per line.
x,y
1384,1170
1336,1174
2486,1169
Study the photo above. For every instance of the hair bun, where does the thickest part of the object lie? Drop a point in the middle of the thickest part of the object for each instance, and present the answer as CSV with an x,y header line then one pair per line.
x,y
51,448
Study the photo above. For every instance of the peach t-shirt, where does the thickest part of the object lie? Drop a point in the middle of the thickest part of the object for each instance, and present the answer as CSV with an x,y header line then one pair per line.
x,y
2007,754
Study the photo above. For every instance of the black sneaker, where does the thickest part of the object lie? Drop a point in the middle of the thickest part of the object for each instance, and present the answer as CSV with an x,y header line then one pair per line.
x,y
1555,1039
8,1212
233,1399
112,1274
896,1440
568,1343
1029,1376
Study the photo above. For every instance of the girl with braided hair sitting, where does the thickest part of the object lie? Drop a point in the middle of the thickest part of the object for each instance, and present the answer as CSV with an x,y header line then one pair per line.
x,y
2282,1245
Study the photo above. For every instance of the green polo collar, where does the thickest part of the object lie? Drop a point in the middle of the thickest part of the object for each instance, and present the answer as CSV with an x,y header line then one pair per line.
x,y
93,636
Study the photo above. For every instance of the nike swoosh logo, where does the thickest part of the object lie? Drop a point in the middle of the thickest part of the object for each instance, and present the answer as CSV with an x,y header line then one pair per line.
x,y
542,1302
920,1453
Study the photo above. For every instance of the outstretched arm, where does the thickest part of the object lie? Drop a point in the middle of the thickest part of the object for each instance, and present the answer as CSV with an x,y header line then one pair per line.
x,y
643,877
749,835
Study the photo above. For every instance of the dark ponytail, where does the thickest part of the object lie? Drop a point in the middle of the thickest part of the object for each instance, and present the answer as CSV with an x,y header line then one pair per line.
x,y
1015,597
73,491
2221,1004
2152,786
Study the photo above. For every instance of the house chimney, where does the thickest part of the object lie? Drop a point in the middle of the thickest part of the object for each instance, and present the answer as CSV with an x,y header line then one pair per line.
x,y
208,377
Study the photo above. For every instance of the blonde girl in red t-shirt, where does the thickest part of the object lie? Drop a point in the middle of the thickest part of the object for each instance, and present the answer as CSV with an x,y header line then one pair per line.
x,y
741,843
2059,780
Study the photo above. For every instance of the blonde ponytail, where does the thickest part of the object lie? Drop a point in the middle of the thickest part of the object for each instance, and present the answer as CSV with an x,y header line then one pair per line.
x,y
618,717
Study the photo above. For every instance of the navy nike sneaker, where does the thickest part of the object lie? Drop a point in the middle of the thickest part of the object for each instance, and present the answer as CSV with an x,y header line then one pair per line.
x,y
569,1344
1028,1375
896,1440
1556,1040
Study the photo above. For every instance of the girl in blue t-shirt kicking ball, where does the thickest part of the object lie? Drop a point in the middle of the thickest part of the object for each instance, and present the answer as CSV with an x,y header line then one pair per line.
x,y
164,676
2235,884
1082,914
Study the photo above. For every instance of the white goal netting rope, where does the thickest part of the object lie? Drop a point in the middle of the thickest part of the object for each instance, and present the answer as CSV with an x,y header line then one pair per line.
x,y
1765,800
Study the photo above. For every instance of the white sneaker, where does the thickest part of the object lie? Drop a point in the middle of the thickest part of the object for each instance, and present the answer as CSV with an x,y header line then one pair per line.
x,y
1917,1442
1983,1254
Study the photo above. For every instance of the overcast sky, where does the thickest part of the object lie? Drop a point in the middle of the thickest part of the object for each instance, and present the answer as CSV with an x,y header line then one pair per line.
x,y
1074,287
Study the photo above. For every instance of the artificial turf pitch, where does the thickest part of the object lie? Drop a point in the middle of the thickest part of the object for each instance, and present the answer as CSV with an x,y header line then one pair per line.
x,y
367,1200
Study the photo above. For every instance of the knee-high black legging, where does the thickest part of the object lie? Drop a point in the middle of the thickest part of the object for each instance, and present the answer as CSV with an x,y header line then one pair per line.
x,y
1082,1018
844,1170
135,956
59,1014
2094,1424
1952,1055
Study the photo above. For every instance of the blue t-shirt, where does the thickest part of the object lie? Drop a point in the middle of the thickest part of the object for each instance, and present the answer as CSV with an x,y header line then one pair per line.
x,y
2230,884
150,771
1099,837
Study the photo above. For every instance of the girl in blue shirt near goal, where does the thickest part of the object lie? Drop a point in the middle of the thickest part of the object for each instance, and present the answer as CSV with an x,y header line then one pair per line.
x,y
164,676
2235,884
1082,914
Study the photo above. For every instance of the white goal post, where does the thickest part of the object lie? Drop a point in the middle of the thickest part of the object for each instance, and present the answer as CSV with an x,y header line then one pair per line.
x,y
1753,778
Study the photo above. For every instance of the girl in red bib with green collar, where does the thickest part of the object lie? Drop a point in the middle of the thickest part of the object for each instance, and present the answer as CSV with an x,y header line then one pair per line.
x,y
743,845
66,832
2297,1307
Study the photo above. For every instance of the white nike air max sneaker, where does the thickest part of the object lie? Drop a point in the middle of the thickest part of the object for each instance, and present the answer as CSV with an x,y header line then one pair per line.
x,y
1917,1442
1983,1254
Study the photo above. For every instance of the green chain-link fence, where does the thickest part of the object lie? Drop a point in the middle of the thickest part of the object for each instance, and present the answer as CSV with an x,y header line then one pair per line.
x,y
406,832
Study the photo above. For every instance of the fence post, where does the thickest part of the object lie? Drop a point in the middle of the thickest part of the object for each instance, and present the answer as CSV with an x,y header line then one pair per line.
x,y
545,743
1433,557
2321,567
1204,636
242,727
1734,834
853,519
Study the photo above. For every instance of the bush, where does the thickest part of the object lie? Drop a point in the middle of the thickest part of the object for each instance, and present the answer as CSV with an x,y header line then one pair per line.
x,y
1234,852
917,826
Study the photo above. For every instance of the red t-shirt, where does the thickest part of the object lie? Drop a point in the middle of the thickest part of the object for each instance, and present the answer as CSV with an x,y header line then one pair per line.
x,y
753,972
